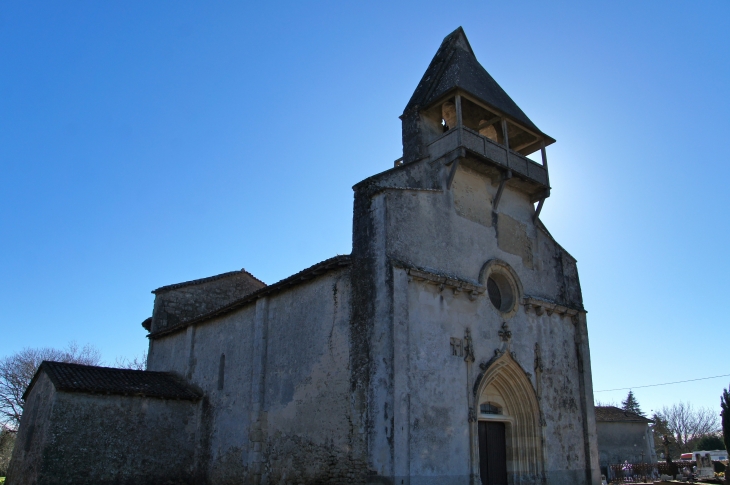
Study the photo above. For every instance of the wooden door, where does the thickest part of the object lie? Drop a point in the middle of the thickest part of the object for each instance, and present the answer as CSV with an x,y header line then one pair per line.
x,y
492,453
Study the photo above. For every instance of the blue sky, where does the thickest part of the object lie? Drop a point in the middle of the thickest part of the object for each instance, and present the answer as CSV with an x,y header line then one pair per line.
x,y
148,143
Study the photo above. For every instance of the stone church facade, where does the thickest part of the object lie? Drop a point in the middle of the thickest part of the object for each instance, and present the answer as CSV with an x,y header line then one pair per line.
x,y
450,347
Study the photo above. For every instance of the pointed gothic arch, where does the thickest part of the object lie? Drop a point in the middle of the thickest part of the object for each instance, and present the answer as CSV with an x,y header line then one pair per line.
x,y
505,384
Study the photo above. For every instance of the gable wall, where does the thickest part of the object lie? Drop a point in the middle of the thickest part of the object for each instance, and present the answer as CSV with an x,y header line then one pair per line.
x,y
455,232
33,435
625,441
176,305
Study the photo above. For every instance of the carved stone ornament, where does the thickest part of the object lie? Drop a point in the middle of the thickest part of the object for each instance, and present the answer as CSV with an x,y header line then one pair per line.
x,y
538,358
468,347
457,347
541,306
472,415
442,281
505,334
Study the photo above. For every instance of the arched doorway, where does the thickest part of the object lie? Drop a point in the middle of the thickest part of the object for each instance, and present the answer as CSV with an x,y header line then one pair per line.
x,y
493,452
509,431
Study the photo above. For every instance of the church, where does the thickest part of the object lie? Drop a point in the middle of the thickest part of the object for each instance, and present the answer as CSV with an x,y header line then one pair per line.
x,y
449,347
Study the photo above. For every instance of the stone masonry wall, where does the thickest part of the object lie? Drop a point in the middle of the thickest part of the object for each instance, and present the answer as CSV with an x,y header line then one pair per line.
x,y
179,303
624,441
419,405
103,440
33,435
276,378
221,365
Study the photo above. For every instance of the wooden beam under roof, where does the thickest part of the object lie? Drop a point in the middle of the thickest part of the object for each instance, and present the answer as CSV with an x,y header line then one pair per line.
x,y
491,109
533,147
523,145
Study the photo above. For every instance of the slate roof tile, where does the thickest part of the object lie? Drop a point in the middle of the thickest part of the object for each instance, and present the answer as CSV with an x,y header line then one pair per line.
x,y
456,66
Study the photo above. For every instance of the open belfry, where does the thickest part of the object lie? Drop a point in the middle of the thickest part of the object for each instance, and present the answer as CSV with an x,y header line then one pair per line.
x,y
450,346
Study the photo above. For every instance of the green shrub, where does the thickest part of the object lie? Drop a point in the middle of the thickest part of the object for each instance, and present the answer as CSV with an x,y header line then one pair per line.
x,y
709,442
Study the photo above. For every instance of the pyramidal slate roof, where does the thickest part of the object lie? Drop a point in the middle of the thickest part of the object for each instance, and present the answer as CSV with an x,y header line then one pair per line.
x,y
456,66
107,380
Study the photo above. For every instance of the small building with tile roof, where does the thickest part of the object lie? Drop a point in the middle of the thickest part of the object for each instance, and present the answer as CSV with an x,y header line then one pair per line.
x,y
88,424
623,436
450,346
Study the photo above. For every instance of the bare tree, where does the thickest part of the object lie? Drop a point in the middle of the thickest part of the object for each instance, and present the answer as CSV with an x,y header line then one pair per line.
x,y
688,425
17,370
135,363
664,437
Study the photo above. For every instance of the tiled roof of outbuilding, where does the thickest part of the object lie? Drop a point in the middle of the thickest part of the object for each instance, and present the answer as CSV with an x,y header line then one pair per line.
x,y
107,380
612,413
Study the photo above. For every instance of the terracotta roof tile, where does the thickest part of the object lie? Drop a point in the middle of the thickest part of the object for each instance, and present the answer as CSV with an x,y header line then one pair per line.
x,y
612,413
107,380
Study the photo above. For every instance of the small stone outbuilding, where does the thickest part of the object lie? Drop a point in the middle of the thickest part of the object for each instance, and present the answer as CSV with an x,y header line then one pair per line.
x,y
623,436
449,348
85,424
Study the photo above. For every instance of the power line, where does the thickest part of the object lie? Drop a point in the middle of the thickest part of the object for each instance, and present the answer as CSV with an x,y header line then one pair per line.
x,y
664,384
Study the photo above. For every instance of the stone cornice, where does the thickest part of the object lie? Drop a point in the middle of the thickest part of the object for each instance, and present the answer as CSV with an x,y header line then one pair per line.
x,y
531,303
442,280
542,305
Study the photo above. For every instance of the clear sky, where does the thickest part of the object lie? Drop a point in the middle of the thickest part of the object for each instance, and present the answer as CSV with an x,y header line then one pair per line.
x,y
148,143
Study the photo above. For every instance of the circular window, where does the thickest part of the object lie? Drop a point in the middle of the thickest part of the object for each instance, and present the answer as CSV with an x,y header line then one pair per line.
x,y
500,292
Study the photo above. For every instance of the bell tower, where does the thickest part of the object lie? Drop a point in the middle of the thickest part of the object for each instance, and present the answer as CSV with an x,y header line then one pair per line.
x,y
465,310
459,113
